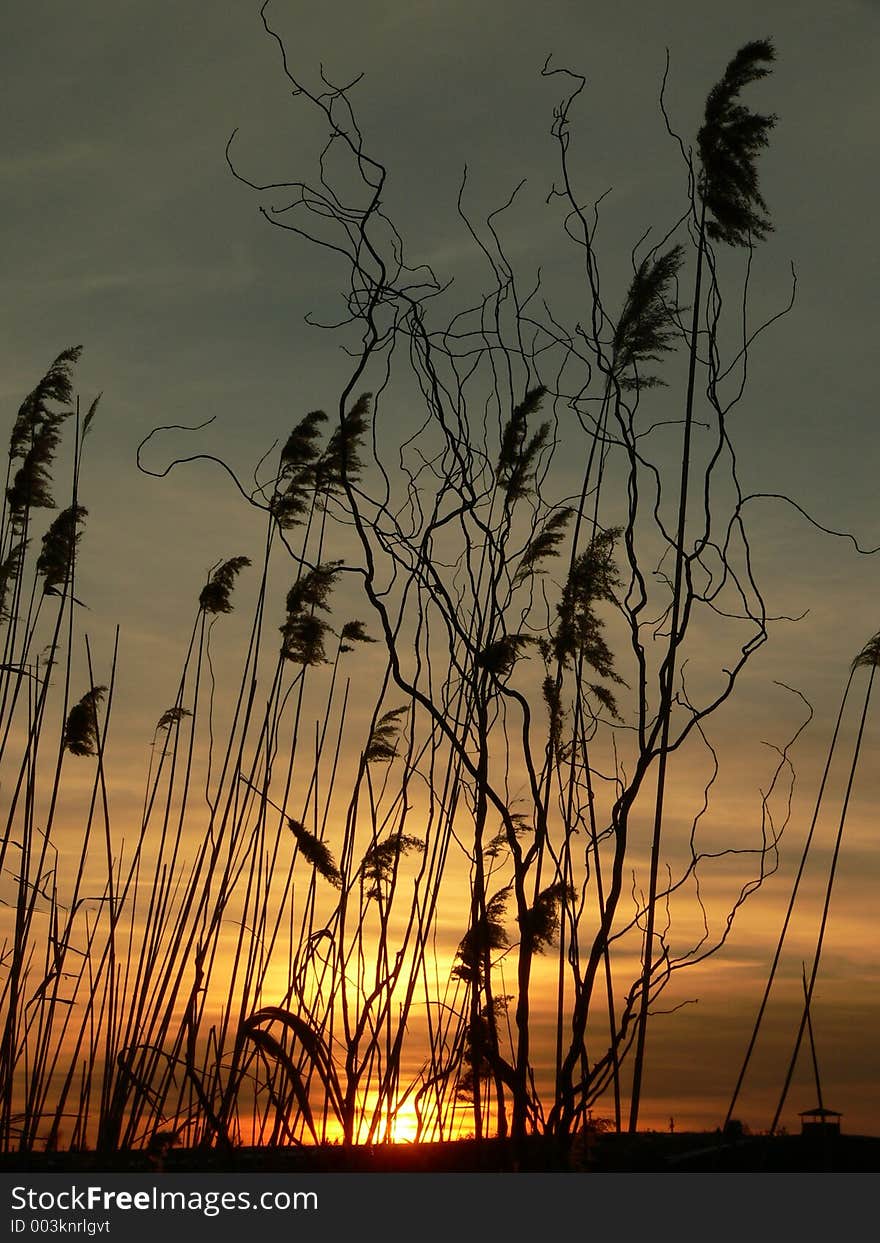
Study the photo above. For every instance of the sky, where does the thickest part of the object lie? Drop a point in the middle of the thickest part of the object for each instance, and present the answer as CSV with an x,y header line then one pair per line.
x,y
124,230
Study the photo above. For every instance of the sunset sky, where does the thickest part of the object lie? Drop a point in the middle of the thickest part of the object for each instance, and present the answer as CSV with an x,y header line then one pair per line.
x,y
125,231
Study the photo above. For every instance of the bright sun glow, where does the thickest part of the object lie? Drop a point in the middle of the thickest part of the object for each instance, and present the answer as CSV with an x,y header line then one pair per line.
x,y
405,1124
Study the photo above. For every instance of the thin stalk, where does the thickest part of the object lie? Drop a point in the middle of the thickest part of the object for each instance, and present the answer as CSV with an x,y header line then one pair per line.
x,y
667,682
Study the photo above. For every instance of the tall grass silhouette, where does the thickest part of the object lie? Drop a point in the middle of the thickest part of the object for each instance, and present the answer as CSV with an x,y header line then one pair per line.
x,y
426,803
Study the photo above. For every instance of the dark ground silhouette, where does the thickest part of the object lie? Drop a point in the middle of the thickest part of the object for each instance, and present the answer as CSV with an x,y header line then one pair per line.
x,y
648,1152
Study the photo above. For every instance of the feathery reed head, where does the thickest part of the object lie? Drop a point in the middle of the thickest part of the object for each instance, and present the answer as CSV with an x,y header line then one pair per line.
x,y
646,329
31,486
9,570
380,861
499,657
315,853
340,461
488,933
382,746
542,920
59,547
303,636
303,632
90,417
296,477
312,590
517,457
593,577
545,543
481,1048
729,142
353,632
501,841
214,596
553,700
171,716
55,386
300,448
81,729
605,698
869,656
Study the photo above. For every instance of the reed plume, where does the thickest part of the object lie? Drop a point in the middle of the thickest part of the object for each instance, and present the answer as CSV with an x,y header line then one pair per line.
x,y
647,329
315,852
729,142
59,547
303,632
81,730
518,456
215,595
